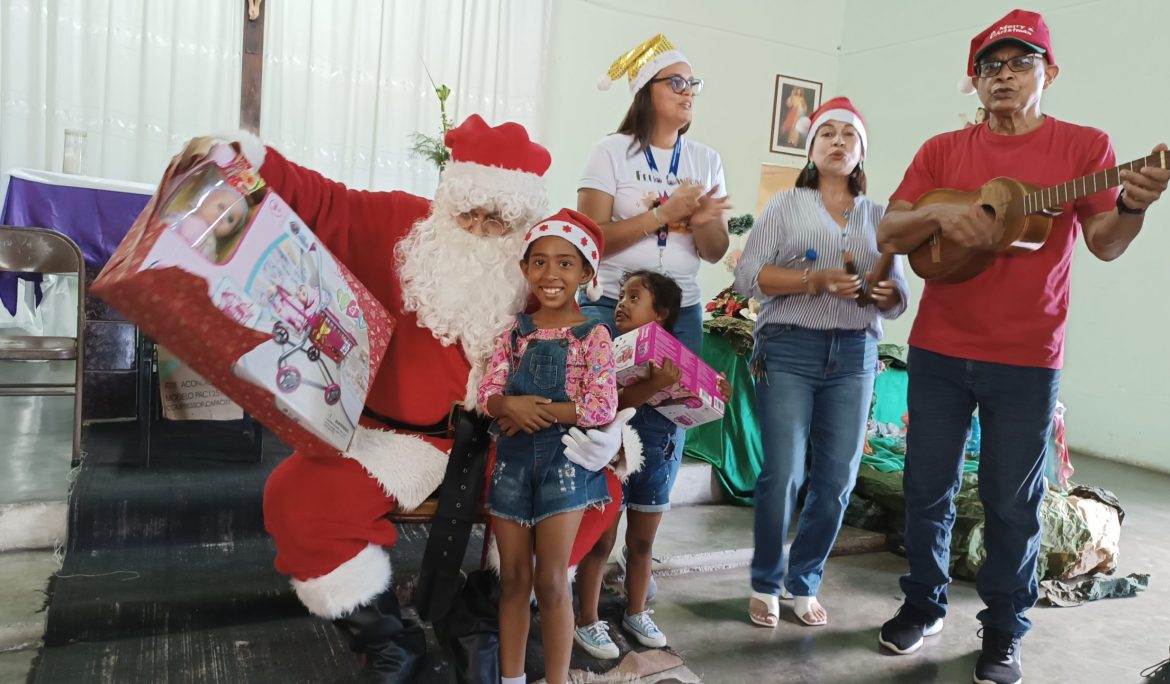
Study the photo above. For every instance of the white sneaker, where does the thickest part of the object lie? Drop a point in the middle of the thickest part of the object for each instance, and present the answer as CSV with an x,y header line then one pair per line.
x,y
644,630
595,640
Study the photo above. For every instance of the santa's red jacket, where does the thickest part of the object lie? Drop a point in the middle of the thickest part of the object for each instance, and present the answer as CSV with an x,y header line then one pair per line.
x,y
328,514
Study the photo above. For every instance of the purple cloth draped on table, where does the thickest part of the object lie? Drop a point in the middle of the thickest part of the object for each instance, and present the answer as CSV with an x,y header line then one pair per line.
x,y
95,219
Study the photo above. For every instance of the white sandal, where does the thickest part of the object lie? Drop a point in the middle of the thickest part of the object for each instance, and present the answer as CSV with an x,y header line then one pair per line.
x,y
802,605
771,604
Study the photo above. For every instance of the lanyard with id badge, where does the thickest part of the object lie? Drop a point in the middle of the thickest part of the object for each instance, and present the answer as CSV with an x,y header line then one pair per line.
x,y
664,230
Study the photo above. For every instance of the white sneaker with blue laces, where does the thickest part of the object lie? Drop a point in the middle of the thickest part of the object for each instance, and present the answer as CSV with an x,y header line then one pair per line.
x,y
596,641
642,628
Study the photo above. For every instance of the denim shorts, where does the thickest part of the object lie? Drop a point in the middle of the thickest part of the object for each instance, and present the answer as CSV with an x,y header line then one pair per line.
x,y
532,480
648,490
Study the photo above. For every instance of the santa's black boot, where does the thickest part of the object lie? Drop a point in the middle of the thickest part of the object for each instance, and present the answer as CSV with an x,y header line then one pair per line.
x,y
394,648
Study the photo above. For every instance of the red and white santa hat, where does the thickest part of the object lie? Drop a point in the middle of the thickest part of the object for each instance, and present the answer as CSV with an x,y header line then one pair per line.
x,y
499,160
836,109
582,232
1018,26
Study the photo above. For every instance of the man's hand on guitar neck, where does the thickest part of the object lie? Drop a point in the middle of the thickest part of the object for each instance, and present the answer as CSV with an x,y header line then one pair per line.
x,y
1110,233
1143,188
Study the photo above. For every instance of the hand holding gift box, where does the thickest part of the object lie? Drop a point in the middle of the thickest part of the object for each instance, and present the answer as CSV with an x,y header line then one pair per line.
x,y
694,399
222,272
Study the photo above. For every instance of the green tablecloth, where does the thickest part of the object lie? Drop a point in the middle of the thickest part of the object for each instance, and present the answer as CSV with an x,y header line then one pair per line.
x,y
731,445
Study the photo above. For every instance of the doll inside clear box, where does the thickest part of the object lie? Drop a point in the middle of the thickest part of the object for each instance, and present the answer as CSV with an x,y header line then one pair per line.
x,y
209,214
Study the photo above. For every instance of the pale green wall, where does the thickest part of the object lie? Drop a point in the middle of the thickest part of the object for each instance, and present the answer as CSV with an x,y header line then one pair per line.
x,y
1113,76
736,46
900,61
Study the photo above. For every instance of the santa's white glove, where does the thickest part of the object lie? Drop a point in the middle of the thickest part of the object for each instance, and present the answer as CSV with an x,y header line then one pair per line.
x,y
597,448
248,143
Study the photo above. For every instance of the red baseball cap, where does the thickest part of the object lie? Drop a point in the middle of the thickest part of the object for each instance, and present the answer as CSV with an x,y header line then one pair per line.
x,y
1020,26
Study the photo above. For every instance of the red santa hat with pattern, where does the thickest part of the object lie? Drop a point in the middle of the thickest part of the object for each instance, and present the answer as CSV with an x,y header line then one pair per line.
x,y
1018,26
499,160
836,109
582,232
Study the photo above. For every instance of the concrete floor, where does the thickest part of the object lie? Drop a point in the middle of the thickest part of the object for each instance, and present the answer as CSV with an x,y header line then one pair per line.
x,y
24,578
705,615
15,666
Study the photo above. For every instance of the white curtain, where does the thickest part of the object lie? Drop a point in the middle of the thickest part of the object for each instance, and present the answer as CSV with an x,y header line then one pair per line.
x,y
139,77
345,85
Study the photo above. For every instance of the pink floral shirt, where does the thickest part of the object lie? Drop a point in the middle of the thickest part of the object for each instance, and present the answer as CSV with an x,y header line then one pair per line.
x,y
590,381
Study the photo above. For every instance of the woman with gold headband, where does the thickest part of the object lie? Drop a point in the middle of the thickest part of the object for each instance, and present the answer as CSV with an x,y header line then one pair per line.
x,y
661,200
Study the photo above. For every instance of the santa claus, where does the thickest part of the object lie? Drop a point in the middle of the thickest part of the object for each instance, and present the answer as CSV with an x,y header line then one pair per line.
x,y
447,271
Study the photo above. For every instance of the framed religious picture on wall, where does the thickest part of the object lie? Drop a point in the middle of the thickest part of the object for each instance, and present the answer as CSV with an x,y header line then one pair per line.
x,y
795,99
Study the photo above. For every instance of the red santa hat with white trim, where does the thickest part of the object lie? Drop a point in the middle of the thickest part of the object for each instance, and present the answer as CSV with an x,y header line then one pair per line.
x,y
497,160
579,230
836,109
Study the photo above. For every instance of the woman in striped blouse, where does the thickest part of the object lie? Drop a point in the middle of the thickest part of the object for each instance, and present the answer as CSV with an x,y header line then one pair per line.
x,y
815,355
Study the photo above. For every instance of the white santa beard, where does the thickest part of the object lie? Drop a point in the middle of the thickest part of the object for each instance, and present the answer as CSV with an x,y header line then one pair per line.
x,y
462,287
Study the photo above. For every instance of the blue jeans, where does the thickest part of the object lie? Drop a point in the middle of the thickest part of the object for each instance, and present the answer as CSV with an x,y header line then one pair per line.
x,y
648,490
818,384
1015,413
688,330
533,479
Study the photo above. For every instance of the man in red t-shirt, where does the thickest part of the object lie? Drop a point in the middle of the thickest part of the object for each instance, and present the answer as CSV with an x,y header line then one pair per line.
x,y
995,341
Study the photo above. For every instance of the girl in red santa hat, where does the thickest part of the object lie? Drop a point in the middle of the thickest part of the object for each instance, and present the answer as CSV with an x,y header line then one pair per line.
x,y
553,369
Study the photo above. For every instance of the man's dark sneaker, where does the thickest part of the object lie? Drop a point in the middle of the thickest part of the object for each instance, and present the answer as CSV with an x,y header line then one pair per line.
x,y
1158,673
903,633
999,662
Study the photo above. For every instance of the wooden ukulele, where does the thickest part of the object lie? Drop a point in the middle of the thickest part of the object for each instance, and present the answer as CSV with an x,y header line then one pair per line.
x,y
1023,218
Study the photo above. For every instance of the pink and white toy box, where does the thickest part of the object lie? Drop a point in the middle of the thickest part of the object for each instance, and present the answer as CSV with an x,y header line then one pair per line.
x,y
694,399
220,270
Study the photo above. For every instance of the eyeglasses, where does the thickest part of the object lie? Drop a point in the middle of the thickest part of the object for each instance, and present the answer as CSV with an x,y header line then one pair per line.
x,y
489,224
1018,64
679,84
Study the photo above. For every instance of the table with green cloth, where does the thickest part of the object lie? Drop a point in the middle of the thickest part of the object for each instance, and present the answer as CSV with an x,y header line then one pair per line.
x,y
732,445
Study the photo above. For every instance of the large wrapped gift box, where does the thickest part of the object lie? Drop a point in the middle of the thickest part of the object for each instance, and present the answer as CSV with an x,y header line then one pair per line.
x,y
220,270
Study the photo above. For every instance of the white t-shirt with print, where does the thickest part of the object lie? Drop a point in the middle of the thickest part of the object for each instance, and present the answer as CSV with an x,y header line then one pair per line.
x,y
623,173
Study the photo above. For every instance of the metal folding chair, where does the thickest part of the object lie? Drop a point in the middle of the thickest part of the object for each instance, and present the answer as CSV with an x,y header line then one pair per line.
x,y
37,250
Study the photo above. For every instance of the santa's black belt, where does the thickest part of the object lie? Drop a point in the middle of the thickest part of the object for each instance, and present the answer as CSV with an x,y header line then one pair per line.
x,y
460,495
443,428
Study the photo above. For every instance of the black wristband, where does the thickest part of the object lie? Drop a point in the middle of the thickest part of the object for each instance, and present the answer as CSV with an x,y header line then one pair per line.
x,y
1123,209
